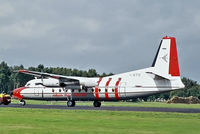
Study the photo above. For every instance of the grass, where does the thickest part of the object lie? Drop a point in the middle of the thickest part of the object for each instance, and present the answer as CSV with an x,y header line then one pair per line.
x,y
43,121
129,104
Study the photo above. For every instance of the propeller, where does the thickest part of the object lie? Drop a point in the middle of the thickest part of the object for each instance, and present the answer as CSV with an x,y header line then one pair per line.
x,y
11,93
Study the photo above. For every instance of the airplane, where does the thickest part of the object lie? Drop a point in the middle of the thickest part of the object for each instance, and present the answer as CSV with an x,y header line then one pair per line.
x,y
162,76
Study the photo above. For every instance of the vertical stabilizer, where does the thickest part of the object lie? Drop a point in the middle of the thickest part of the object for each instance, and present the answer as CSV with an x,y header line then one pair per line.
x,y
166,60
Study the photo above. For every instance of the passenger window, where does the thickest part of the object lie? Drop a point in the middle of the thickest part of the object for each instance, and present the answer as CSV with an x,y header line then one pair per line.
x,y
113,90
53,90
99,90
59,90
106,90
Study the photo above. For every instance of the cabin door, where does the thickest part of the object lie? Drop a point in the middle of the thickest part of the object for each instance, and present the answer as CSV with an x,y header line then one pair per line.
x,y
122,90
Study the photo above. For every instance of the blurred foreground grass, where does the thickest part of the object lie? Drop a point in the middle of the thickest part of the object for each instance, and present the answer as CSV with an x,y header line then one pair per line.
x,y
49,121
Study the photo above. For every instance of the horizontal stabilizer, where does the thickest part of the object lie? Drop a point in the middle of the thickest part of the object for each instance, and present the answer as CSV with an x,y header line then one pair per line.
x,y
157,76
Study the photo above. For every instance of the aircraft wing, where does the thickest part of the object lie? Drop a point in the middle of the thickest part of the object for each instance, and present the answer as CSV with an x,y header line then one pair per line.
x,y
48,75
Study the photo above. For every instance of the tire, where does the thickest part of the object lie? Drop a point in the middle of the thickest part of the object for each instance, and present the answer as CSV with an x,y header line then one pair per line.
x,y
6,103
22,102
71,103
97,104
74,103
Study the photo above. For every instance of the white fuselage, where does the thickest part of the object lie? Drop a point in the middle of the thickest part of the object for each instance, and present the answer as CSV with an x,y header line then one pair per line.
x,y
117,87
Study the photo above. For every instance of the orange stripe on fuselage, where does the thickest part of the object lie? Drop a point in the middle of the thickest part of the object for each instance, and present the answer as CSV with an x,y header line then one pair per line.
x,y
106,88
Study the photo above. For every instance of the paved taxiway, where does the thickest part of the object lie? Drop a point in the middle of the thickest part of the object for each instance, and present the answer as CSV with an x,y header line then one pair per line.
x,y
110,108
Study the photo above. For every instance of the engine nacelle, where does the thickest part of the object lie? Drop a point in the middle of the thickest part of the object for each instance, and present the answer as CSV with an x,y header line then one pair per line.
x,y
88,82
84,84
73,87
50,82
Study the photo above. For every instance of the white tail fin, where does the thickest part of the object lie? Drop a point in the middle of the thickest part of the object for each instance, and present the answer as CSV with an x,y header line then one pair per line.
x,y
166,60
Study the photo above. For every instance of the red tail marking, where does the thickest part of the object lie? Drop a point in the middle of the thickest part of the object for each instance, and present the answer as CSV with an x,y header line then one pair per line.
x,y
97,89
116,89
106,88
173,61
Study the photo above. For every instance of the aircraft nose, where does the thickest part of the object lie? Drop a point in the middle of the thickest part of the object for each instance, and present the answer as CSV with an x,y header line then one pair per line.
x,y
16,93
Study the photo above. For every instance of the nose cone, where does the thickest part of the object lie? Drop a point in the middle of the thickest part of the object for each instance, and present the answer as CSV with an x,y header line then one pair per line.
x,y
16,93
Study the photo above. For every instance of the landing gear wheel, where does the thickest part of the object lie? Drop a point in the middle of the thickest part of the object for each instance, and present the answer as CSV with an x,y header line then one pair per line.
x,y
6,103
97,104
71,103
22,102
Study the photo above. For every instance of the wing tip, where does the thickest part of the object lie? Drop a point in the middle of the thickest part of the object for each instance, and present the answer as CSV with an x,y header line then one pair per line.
x,y
22,71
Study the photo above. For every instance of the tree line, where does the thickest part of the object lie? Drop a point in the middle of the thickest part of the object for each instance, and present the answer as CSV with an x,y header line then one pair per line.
x,y
10,80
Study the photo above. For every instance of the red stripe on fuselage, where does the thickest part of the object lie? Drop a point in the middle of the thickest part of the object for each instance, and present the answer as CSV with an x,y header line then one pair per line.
x,y
116,89
80,94
106,88
97,89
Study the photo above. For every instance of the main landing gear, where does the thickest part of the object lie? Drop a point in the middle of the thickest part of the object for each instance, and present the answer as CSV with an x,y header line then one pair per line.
x,y
22,102
71,103
97,104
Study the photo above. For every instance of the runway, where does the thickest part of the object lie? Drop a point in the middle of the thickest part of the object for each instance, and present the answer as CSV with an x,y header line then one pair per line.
x,y
109,108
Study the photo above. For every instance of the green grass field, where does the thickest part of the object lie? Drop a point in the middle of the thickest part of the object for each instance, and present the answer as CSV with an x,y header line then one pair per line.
x,y
129,104
42,121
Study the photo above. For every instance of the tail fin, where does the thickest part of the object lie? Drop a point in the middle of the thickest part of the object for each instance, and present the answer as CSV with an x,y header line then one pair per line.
x,y
166,60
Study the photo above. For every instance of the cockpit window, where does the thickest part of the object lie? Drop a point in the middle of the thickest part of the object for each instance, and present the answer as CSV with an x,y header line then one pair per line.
x,y
28,84
38,83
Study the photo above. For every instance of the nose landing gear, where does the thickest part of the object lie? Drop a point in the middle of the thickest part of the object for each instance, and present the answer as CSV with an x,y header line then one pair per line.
x,y
22,102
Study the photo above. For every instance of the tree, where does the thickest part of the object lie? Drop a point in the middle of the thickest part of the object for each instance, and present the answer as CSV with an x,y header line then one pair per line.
x,y
191,89
4,77
40,68
92,73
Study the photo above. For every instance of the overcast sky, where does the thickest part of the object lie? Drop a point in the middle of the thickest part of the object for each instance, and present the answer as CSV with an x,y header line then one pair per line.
x,y
107,35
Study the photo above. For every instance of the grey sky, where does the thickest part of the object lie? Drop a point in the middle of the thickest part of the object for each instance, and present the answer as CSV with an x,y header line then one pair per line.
x,y
108,35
